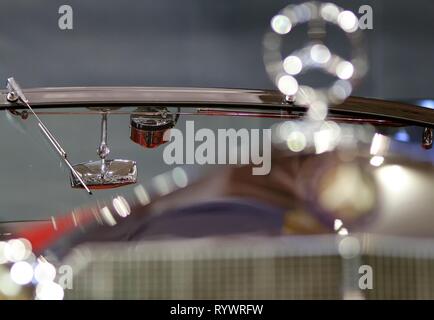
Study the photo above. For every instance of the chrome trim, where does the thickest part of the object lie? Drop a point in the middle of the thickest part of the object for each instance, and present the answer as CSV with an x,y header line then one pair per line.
x,y
71,97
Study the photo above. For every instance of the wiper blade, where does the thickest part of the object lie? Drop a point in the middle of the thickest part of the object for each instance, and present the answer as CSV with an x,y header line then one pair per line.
x,y
15,93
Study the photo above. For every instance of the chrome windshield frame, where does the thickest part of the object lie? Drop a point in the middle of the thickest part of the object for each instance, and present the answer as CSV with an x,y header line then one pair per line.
x,y
74,97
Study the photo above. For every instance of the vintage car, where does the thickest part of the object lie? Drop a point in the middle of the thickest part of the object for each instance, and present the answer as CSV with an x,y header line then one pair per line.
x,y
359,187
295,193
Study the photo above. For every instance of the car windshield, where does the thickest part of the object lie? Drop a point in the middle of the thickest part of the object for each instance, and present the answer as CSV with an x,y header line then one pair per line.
x,y
32,172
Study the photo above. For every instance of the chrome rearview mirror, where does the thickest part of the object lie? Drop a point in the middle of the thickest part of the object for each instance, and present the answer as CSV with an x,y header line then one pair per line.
x,y
105,173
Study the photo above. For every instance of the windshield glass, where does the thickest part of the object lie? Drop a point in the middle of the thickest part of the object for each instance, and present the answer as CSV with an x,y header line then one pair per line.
x,y
36,183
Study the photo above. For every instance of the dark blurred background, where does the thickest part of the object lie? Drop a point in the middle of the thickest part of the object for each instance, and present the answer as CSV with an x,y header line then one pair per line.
x,y
165,43
196,43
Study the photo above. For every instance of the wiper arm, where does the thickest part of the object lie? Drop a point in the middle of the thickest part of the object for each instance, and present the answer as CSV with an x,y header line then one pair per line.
x,y
15,93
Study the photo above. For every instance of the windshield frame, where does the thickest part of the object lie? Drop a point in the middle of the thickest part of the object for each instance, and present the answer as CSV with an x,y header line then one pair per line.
x,y
73,97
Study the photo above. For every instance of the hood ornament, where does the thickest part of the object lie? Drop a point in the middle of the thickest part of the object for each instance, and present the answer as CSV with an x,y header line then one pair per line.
x,y
285,70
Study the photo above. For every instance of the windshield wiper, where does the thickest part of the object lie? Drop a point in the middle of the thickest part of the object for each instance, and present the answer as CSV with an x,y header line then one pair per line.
x,y
15,93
